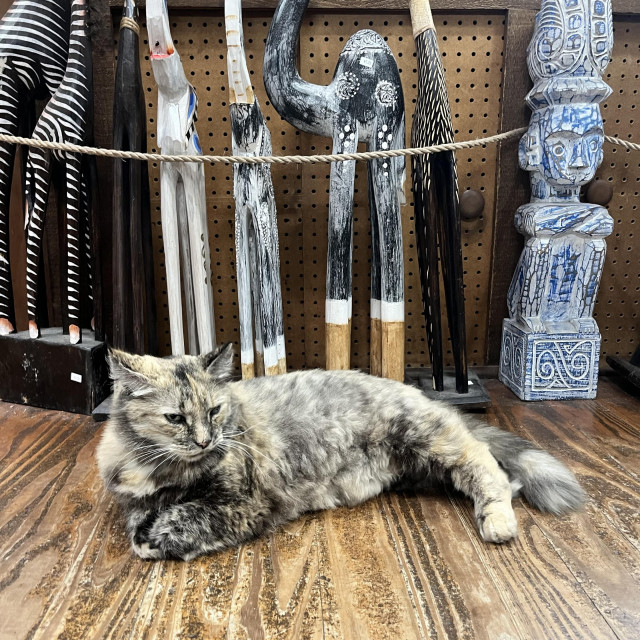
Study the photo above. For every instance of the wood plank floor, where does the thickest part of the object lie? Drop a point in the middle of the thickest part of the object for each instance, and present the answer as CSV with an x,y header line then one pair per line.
x,y
398,567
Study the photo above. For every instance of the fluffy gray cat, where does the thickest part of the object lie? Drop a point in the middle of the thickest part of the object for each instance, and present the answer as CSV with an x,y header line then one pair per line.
x,y
201,463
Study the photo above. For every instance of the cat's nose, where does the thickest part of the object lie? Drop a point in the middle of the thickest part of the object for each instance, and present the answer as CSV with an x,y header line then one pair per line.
x,y
203,444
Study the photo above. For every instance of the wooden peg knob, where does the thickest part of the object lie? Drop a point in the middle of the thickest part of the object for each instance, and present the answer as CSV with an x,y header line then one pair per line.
x,y
599,192
471,204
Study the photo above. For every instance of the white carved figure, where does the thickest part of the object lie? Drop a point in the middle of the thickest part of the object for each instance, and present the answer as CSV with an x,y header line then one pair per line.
x,y
183,202
551,343
257,254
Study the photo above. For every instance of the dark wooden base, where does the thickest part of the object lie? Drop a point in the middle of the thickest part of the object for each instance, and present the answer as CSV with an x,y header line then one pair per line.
x,y
103,410
52,373
477,398
629,370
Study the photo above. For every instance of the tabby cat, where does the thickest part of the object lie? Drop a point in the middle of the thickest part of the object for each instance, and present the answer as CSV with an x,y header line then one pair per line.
x,y
200,463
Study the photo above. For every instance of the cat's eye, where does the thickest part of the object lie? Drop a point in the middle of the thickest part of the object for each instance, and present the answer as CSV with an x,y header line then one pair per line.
x,y
214,412
174,418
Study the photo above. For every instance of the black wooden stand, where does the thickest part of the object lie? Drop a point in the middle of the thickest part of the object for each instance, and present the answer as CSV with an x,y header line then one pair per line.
x,y
51,373
477,398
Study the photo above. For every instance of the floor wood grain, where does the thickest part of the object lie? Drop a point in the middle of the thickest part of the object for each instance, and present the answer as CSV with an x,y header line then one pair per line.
x,y
397,567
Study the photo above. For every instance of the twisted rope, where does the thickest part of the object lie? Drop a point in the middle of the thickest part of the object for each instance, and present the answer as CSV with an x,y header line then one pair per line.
x,y
338,157
326,158
632,146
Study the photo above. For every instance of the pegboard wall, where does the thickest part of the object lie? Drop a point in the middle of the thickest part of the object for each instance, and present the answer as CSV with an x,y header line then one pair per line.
x,y
618,300
472,49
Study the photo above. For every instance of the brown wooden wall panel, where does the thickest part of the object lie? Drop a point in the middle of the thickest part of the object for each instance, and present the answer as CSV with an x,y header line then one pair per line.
x,y
472,47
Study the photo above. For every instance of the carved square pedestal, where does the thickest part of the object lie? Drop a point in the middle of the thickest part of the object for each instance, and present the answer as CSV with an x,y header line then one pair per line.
x,y
549,366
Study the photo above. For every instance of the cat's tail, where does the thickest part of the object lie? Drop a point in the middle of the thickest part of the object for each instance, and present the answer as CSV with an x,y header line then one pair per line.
x,y
543,480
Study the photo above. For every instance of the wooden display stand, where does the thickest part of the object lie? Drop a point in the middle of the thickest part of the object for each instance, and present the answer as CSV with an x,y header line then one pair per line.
x,y
52,373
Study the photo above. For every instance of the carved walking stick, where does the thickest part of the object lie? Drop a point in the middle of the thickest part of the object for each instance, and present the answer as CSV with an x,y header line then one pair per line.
x,y
184,215
68,117
134,307
364,102
257,252
34,45
435,185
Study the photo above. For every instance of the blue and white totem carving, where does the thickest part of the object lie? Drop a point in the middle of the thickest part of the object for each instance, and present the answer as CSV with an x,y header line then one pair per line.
x,y
551,343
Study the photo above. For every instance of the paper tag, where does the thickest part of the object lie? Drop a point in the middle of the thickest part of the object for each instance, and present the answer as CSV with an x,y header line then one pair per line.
x,y
76,377
366,62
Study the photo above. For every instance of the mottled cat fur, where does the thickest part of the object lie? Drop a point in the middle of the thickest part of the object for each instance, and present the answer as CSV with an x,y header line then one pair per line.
x,y
200,463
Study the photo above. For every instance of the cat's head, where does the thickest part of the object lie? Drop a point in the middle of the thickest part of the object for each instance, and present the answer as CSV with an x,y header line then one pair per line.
x,y
181,404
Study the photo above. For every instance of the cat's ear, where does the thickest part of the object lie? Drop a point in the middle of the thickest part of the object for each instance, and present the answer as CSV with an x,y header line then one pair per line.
x,y
219,362
131,371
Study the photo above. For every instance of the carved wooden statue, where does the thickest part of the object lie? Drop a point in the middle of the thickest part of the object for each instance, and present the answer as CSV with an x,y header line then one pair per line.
x,y
68,117
363,102
551,343
134,307
257,253
34,45
183,202
437,215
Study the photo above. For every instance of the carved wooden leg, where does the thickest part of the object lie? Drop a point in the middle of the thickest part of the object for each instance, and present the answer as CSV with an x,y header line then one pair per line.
x,y
375,349
340,249
148,281
169,216
267,274
37,192
185,269
451,251
391,268
121,247
7,314
139,275
244,292
256,302
74,211
200,257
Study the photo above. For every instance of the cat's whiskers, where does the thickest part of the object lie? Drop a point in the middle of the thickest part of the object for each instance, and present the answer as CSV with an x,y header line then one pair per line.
x,y
166,458
271,460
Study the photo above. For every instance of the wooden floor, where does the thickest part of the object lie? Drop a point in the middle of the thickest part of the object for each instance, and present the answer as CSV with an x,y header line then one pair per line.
x,y
397,567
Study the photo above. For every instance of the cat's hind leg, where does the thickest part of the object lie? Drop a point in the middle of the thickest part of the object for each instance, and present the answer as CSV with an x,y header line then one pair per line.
x,y
475,472
441,445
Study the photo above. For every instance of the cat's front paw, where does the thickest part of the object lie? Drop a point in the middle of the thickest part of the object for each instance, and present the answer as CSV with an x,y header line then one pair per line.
x,y
146,551
498,525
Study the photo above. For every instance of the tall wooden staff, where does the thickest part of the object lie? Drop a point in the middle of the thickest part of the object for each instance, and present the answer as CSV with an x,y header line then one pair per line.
x,y
134,307
435,185
257,253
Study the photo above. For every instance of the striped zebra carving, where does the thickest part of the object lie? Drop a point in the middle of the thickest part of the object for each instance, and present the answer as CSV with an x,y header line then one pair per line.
x,y
68,117
34,45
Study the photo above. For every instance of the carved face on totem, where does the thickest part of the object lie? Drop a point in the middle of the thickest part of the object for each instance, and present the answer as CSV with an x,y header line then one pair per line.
x,y
564,145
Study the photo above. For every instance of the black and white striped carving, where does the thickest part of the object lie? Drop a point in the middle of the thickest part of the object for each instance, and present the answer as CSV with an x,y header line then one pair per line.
x,y
68,117
34,44
437,218
257,253
364,102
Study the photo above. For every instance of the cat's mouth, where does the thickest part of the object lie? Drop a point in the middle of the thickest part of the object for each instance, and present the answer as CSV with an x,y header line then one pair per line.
x,y
199,454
